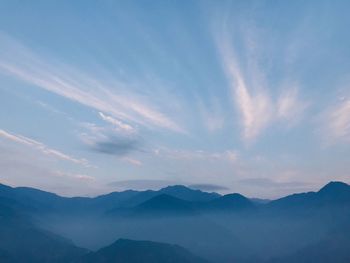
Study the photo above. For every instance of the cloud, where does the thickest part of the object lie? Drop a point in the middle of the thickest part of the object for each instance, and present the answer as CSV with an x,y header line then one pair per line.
x,y
132,161
255,108
42,148
115,146
336,122
80,177
208,187
104,140
289,106
119,125
229,155
20,167
248,84
113,98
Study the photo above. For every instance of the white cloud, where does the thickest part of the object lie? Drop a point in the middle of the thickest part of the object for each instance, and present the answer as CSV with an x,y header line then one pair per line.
x,y
111,97
336,122
42,148
132,161
257,108
289,105
119,125
80,177
229,155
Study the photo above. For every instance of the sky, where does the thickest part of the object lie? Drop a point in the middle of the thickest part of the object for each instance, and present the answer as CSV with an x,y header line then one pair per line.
x,y
228,96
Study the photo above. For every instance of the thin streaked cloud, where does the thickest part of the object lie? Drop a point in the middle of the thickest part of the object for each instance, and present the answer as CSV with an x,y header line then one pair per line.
x,y
42,148
20,62
119,125
257,107
336,122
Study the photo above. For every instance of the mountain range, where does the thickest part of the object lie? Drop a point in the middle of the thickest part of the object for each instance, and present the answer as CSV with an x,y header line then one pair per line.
x,y
38,226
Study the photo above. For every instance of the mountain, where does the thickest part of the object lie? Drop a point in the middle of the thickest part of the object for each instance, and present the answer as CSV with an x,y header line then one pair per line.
x,y
229,203
166,205
129,251
5,257
332,194
335,192
38,201
22,241
228,228
188,194
178,191
333,248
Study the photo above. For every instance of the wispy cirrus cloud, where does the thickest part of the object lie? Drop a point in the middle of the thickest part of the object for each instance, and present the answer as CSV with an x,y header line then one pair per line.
x,y
191,155
113,97
80,177
42,148
248,83
336,122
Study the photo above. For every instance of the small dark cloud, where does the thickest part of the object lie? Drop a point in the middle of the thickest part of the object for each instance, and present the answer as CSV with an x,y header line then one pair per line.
x,y
119,146
208,187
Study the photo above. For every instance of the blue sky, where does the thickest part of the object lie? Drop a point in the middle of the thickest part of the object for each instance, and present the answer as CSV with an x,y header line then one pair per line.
x,y
228,96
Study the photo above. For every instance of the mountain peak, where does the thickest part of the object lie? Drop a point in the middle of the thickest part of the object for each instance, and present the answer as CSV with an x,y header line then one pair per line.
x,y
188,194
334,187
177,187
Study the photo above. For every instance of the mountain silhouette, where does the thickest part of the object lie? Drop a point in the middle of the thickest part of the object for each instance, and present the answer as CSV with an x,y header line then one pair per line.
x,y
165,204
333,248
229,203
22,241
130,251
332,194
37,226
188,194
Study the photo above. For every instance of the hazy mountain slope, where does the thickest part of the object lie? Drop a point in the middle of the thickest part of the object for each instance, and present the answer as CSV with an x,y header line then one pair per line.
x,y
333,248
334,193
21,241
229,228
44,202
188,194
229,203
129,251
164,204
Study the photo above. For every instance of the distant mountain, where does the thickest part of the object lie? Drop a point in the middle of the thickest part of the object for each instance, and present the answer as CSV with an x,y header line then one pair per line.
x,y
5,257
332,194
335,192
166,205
38,201
178,191
129,251
188,194
260,201
21,241
228,228
333,248
229,203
